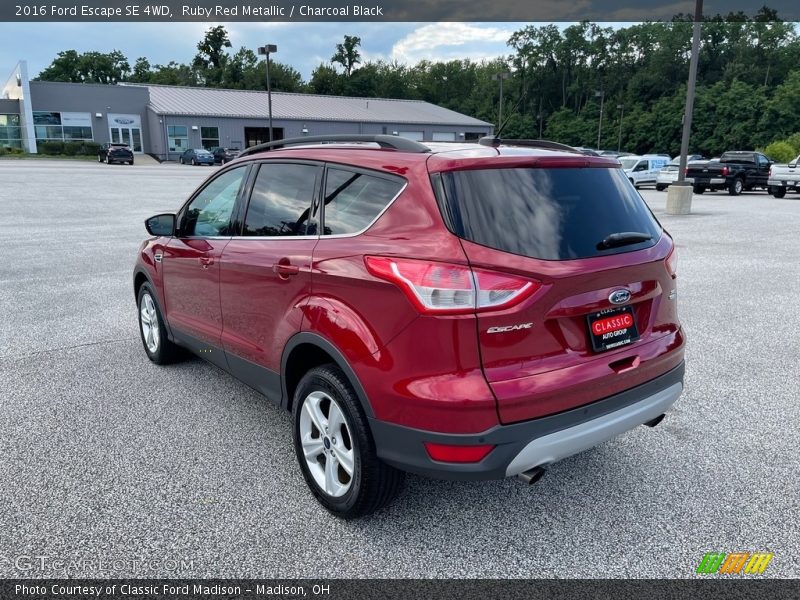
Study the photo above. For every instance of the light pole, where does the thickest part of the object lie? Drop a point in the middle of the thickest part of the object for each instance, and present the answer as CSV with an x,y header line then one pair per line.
x,y
621,108
601,95
540,116
679,195
501,77
266,51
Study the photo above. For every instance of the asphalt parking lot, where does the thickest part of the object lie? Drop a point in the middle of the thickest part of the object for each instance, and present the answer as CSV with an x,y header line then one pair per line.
x,y
105,456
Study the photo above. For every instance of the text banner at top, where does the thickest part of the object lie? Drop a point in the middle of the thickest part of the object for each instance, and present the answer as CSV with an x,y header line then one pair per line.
x,y
386,10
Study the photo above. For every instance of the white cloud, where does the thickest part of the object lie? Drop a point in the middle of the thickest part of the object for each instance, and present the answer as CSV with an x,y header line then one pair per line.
x,y
446,41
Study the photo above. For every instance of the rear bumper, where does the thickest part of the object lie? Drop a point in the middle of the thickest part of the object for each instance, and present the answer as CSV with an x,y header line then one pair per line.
x,y
715,181
522,446
787,183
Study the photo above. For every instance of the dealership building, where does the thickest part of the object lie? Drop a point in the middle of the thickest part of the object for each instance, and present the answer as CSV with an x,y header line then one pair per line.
x,y
163,121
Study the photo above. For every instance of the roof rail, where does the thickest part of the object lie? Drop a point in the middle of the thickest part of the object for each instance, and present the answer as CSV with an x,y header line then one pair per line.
x,y
384,141
495,142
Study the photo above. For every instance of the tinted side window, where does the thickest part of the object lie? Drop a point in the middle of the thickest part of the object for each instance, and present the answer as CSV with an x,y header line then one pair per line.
x,y
209,214
552,214
353,200
281,200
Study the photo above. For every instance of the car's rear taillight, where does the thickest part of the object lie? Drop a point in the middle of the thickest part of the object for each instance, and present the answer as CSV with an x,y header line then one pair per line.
x,y
444,288
672,263
725,171
457,454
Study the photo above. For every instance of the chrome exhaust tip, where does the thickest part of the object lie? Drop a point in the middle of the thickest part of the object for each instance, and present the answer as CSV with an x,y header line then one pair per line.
x,y
531,476
654,422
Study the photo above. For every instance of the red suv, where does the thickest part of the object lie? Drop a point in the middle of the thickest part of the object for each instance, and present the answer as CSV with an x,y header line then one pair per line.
x,y
463,311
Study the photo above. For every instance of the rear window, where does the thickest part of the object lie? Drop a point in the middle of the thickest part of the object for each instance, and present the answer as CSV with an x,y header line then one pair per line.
x,y
550,214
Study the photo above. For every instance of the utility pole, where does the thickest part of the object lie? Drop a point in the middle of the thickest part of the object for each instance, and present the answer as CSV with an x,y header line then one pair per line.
x,y
679,195
500,77
621,108
602,96
266,50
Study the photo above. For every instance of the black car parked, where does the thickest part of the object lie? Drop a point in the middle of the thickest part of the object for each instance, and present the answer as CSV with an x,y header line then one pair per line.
x,y
115,153
224,155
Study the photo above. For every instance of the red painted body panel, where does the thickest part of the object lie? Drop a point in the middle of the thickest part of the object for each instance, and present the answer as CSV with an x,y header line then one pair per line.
x,y
191,287
261,307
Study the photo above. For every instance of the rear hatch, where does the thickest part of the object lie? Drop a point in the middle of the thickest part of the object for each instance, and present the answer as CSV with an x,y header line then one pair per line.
x,y
605,286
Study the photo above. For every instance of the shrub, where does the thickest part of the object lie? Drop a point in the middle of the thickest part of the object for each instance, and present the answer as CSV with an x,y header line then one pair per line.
x,y
51,147
3,151
89,148
794,141
780,151
71,148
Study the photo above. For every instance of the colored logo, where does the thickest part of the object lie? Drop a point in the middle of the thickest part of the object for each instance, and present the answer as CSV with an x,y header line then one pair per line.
x,y
735,563
619,297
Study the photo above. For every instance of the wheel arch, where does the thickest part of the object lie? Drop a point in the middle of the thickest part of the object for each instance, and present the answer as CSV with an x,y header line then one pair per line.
x,y
306,350
140,277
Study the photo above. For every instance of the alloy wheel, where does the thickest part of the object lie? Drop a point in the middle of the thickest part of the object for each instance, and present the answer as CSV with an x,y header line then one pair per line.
x,y
149,319
327,444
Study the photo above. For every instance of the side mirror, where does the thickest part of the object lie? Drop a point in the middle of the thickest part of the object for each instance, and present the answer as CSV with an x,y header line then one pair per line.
x,y
161,225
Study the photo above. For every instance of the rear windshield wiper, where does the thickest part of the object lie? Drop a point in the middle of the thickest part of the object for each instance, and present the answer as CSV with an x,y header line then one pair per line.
x,y
615,240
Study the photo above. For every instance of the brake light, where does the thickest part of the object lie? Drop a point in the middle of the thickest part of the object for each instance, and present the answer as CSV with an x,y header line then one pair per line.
x,y
725,171
457,454
672,263
444,288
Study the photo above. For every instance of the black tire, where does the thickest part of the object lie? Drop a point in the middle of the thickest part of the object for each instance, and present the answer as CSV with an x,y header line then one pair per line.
x,y
698,189
180,160
131,163
660,187
99,158
778,192
194,163
166,352
373,484
736,187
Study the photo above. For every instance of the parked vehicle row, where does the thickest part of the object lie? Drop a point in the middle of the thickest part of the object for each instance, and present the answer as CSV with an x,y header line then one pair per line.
x,y
643,170
669,174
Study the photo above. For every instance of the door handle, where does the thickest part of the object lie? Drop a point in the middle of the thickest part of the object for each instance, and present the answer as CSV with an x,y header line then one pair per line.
x,y
206,261
285,270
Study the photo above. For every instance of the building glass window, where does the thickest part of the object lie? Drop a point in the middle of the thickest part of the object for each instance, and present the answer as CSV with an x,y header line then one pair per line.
x,y
209,137
178,137
10,132
50,126
49,132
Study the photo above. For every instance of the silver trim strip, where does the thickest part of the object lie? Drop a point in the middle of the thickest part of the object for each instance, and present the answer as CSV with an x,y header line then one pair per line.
x,y
561,444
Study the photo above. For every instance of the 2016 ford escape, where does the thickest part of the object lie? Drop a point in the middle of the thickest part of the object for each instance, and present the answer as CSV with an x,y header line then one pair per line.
x,y
465,311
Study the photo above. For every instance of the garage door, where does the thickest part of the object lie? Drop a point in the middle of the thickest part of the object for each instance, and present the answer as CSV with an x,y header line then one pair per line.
x,y
417,136
444,136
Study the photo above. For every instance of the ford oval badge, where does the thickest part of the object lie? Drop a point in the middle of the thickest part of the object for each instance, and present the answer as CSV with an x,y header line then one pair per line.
x,y
619,296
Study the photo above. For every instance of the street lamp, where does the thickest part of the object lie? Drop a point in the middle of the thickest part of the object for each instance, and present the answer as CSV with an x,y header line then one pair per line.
x,y
679,195
601,94
501,77
621,108
266,51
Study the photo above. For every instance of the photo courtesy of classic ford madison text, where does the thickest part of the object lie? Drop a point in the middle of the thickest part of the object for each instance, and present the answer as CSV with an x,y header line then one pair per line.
x,y
417,295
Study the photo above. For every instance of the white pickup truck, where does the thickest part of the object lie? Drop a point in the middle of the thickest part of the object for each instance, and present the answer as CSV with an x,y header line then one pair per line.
x,y
783,178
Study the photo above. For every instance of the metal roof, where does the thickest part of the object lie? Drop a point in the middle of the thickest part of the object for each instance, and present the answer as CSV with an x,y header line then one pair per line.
x,y
195,101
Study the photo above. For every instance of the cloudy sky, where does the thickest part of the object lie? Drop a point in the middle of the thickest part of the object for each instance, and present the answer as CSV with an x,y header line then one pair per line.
x,y
303,45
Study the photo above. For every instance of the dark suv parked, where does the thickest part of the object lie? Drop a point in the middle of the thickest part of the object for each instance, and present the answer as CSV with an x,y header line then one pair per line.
x,y
455,310
115,153
224,155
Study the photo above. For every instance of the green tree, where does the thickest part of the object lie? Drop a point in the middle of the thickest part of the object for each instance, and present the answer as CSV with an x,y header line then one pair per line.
x,y
347,53
211,56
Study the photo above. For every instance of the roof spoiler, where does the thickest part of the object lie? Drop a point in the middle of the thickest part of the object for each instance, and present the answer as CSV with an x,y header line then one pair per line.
x,y
392,142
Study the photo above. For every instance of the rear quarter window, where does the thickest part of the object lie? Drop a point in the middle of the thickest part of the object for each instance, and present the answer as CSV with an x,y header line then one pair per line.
x,y
545,213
